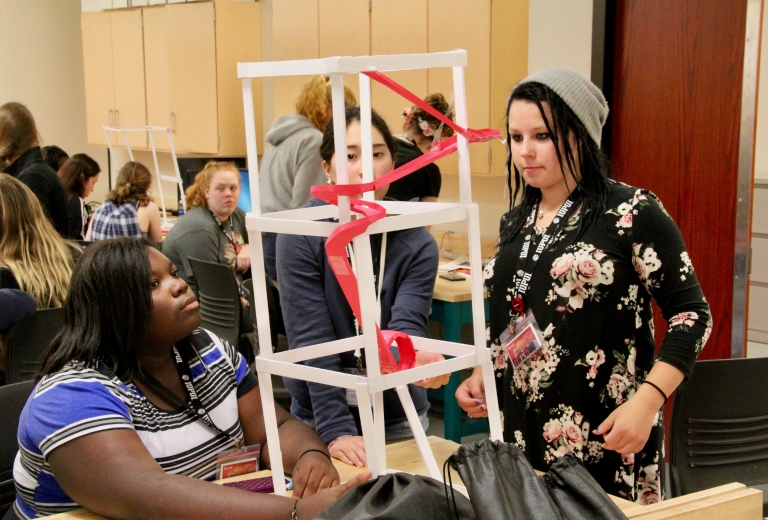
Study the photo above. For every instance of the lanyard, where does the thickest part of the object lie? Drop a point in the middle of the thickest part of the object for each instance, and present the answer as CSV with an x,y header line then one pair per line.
x,y
194,405
231,235
524,271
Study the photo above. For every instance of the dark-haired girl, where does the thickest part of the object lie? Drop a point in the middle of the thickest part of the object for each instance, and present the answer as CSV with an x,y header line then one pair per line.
x,y
420,131
586,255
315,310
80,173
113,427
128,210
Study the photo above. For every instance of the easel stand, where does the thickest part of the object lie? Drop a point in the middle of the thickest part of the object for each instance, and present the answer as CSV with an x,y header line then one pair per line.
x,y
404,215
160,178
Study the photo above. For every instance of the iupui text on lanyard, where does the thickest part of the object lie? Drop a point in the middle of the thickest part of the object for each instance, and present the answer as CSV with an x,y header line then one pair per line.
x,y
523,338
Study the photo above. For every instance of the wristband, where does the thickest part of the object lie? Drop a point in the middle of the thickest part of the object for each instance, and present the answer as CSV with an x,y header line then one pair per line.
x,y
294,514
318,451
657,388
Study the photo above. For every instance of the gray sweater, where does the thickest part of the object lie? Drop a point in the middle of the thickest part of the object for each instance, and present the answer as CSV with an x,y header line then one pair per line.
x,y
316,311
291,164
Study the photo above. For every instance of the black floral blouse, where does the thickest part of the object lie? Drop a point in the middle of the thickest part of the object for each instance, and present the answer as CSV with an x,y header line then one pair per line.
x,y
591,297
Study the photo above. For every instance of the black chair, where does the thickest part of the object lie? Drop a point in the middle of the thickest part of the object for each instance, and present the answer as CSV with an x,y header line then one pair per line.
x,y
12,401
720,427
28,339
219,299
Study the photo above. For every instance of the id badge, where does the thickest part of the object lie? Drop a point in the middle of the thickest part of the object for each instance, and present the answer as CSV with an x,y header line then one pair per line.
x,y
351,394
523,341
235,462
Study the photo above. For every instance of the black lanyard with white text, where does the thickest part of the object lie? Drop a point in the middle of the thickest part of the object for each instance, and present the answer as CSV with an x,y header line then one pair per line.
x,y
524,271
194,404
231,235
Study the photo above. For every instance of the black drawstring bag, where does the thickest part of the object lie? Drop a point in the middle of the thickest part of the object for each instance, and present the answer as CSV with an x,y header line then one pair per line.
x,y
398,496
502,484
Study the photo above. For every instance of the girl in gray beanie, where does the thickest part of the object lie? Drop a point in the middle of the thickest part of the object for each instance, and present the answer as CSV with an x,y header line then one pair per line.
x,y
580,257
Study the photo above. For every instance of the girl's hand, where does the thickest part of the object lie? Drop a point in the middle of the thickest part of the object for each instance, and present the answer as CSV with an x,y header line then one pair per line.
x,y
349,450
471,395
425,358
308,508
627,429
313,472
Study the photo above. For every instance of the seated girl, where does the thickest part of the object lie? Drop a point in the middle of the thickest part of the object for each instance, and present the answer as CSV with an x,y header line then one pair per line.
x,y
128,211
316,311
135,402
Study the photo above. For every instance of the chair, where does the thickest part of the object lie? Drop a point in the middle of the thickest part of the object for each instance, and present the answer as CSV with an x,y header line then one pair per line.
x,y
219,299
720,427
28,339
12,401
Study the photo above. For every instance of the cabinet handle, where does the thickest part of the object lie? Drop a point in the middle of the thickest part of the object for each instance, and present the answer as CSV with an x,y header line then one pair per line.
x,y
110,117
171,115
117,118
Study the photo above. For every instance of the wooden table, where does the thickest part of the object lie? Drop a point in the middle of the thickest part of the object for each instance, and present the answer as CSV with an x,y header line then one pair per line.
x,y
452,306
729,502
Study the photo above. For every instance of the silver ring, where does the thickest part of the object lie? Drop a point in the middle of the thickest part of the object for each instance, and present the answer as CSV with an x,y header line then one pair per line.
x,y
469,415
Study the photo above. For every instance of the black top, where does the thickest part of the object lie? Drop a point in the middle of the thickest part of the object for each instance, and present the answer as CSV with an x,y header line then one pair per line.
x,y
32,170
75,222
15,305
424,182
591,295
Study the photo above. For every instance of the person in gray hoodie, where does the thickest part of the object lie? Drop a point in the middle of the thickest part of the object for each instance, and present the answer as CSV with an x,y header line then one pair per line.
x,y
292,164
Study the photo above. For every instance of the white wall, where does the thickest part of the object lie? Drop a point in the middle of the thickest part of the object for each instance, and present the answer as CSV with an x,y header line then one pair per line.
x,y
41,65
560,34
761,137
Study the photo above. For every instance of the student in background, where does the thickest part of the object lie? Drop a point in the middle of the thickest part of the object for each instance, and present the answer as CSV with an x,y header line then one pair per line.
x,y
54,156
33,257
21,156
420,131
79,175
15,305
128,210
316,311
291,163
113,427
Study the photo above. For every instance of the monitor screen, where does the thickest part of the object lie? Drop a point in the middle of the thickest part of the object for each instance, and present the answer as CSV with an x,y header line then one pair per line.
x,y
245,191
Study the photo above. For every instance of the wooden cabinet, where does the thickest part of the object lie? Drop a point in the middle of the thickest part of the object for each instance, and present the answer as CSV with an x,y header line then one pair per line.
x,y
113,60
185,59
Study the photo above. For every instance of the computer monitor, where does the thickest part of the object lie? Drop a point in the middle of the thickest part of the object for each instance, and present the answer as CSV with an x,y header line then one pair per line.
x,y
245,191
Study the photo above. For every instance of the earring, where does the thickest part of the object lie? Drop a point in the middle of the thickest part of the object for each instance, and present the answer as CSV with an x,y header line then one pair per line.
x,y
329,182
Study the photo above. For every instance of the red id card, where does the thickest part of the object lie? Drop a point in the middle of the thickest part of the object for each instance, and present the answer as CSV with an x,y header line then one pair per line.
x,y
524,340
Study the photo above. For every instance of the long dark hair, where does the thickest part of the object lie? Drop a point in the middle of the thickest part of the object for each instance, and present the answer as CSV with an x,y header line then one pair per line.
x,y
78,168
593,165
108,308
328,146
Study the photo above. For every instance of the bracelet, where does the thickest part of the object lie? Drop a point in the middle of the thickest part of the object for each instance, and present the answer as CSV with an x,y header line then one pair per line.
x,y
294,514
318,451
657,388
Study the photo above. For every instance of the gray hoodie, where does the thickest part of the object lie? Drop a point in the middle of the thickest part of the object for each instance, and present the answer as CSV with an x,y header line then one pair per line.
x,y
291,164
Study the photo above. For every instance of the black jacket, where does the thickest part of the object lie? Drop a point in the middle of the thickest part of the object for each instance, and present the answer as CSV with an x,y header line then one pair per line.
x,y
30,169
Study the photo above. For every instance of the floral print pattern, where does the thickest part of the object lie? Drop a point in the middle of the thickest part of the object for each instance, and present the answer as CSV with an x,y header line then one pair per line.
x,y
591,290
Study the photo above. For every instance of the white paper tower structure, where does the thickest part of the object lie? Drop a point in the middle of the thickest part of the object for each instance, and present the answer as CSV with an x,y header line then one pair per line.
x,y
404,215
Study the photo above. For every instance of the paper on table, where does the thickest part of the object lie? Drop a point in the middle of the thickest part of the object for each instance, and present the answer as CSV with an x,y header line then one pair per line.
x,y
461,262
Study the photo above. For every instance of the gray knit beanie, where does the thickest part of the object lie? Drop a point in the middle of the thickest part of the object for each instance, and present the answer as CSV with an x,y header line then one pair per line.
x,y
580,94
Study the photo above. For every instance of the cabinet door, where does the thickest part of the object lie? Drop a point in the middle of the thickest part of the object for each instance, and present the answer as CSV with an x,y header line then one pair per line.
x,y
464,24
99,82
192,77
128,73
156,72
295,35
398,27
238,39
352,19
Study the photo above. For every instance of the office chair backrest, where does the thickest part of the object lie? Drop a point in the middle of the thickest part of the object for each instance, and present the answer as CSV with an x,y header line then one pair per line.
x,y
28,339
720,426
12,401
219,299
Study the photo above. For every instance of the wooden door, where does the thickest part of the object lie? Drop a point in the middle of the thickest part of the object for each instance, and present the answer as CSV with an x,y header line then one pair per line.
x,y
398,27
156,73
128,72
238,39
464,24
192,77
295,36
676,114
99,82
350,18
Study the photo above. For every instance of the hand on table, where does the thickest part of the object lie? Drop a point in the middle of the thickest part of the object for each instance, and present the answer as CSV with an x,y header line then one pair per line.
x,y
309,507
312,473
628,427
243,258
471,395
349,450
425,358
